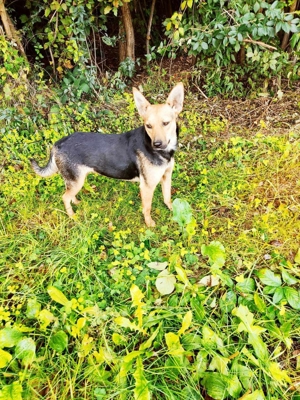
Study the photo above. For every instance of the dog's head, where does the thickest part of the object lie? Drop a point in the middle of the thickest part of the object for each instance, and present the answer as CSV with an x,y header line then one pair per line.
x,y
160,119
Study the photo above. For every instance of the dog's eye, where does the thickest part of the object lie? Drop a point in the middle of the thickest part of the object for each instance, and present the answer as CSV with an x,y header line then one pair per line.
x,y
165,123
149,126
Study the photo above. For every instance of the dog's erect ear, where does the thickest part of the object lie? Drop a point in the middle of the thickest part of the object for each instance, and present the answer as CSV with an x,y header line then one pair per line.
x,y
141,103
175,98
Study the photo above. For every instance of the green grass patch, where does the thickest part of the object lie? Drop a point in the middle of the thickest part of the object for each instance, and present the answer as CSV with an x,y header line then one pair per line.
x,y
205,305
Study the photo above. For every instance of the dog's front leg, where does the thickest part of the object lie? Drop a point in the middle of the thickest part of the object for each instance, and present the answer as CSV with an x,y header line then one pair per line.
x,y
147,195
166,184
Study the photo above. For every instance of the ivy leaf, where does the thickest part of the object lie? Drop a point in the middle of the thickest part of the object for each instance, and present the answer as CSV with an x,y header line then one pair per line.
x,y
9,337
269,278
141,390
11,392
59,341
5,358
25,351
165,283
182,212
215,252
293,297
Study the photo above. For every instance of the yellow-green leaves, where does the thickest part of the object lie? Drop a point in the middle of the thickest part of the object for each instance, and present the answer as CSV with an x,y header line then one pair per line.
x,y
141,389
57,296
215,252
186,322
5,358
136,296
11,392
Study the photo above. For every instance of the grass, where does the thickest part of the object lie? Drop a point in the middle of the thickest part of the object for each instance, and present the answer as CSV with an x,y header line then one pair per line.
x,y
80,313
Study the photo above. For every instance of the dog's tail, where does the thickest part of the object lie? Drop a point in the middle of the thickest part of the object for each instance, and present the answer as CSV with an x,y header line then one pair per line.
x,y
48,170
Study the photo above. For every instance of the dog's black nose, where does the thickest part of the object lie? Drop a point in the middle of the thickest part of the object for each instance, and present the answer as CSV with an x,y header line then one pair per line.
x,y
157,144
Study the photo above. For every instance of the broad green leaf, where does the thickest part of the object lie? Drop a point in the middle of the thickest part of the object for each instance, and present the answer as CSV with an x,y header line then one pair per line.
x,y
228,301
288,278
245,375
215,252
219,363
33,308
246,316
159,266
211,338
59,341
182,212
293,297
278,295
269,278
247,285
57,296
9,337
5,358
173,343
45,318
215,385
186,322
234,386
25,351
11,392
165,283
141,389
278,374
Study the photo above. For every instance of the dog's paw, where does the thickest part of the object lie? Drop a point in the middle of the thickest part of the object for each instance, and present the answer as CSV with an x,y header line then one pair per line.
x,y
150,223
169,205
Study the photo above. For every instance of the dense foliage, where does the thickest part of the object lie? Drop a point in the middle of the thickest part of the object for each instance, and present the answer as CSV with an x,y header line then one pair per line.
x,y
236,46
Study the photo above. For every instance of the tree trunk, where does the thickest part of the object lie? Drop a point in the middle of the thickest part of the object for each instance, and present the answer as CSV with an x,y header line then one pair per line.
x,y
286,36
149,28
129,32
9,28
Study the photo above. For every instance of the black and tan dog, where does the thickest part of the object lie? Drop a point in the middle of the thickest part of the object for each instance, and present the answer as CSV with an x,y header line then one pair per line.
x,y
145,154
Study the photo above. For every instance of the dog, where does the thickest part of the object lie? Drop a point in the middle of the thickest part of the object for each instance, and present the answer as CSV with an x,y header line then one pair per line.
x,y
145,154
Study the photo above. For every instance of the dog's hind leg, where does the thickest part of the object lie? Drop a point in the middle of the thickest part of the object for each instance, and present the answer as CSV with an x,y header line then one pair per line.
x,y
166,185
73,186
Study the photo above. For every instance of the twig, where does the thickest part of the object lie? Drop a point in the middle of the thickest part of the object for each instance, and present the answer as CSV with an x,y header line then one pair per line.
x,y
259,43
